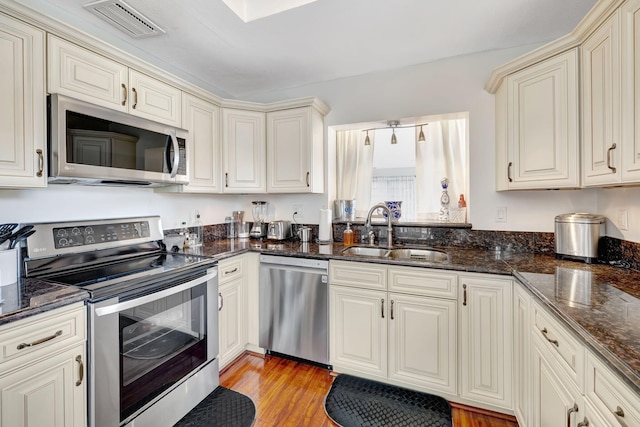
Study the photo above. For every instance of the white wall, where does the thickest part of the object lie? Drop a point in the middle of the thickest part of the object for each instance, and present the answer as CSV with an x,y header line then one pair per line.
x,y
447,86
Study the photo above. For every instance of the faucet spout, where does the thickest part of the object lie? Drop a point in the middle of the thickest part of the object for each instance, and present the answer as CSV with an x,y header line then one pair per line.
x,y
367,223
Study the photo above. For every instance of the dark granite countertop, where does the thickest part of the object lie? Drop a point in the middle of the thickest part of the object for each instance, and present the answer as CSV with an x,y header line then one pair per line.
x,y
30,297
599,303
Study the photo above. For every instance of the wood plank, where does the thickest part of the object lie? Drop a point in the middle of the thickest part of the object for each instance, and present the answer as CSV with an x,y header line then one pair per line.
x,y
290,393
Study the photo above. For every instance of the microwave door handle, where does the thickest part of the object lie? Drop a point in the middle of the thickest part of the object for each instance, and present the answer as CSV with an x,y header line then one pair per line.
x,y
176,154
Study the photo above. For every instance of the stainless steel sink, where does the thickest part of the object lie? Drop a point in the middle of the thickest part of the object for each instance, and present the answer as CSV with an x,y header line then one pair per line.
x,y
366,251
431,255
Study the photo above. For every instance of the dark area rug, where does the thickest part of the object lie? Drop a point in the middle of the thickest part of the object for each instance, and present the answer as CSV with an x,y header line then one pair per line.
x,y
357,402
223,407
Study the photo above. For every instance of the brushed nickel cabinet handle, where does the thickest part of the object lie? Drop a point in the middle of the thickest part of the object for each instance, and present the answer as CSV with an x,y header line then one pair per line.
x,y
554,342
613,147
391,309
464,295
231,271
307,179
584,423
509,171
619,413
382,307
80,370
226,179
221,301
40,163
124,93
135,98
40,341
569,412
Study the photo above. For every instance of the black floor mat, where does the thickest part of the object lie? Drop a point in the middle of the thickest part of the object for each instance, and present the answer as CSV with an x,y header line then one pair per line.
x,y
357,402
223,407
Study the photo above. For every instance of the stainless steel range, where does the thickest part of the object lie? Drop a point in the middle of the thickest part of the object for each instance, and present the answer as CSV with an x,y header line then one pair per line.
x,y
153,318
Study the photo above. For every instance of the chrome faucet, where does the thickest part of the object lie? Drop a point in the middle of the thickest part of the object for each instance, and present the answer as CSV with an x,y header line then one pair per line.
x,y
370,232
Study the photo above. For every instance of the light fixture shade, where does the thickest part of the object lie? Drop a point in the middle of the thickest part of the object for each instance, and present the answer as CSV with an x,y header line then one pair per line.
x,y
394,140
367,141
421,137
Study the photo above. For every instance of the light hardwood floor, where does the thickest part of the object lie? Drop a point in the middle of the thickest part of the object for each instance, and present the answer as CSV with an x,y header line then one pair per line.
x,y
288,393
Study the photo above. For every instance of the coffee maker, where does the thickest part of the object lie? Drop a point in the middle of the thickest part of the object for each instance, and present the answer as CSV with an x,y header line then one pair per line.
x,y
259,229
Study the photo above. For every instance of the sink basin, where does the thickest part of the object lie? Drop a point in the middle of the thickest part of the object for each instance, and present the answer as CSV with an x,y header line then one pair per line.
x,y
431,255
366,251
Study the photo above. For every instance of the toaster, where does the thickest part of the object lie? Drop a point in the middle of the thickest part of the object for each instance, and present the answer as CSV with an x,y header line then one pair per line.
x,y
279,230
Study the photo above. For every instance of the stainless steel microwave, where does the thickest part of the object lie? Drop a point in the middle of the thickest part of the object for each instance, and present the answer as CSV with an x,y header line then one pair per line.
x,y
93,145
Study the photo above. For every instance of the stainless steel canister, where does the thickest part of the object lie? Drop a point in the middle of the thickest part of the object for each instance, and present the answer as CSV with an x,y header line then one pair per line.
x,y
344,210
578,236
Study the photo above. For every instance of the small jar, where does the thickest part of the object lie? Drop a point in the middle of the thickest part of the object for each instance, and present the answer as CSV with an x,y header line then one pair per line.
x,y
231,228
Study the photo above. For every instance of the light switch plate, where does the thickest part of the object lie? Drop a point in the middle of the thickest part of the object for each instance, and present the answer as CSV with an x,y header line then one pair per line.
x,y
501,214
623,219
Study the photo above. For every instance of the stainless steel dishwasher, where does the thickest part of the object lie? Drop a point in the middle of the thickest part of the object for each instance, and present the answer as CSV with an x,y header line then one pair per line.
x,y
294,307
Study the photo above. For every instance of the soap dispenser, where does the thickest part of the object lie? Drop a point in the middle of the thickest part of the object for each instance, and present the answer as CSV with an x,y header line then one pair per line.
x,y
347,236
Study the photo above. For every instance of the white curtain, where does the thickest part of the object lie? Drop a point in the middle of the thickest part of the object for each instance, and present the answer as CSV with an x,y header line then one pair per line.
x,y
441,155
396,188
355,168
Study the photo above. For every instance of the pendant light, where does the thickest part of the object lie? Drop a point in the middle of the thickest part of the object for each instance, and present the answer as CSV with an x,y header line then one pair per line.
x,y
394,140
393,124
367,141
421,135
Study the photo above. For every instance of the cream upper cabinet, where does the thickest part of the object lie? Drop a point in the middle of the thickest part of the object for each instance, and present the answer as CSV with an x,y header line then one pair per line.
x,y
485,339
537,126
202,120
22,105
601,105
630,50
243,151
83,74
295,151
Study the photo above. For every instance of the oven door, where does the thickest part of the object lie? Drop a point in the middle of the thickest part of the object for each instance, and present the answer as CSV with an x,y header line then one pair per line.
x,y
145,346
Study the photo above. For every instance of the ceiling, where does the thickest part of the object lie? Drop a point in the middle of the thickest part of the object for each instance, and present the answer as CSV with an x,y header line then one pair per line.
x,y
207,44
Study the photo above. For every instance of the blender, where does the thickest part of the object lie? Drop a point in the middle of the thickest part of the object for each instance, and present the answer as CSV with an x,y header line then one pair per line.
x,y
259,228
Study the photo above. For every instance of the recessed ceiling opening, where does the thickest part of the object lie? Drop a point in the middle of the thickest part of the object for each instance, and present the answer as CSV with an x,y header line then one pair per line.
x,y
124,17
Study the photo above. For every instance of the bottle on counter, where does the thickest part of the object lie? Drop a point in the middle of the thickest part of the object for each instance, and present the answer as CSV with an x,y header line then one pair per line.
x,y
231,227
348,236
199,230
184,232
462,203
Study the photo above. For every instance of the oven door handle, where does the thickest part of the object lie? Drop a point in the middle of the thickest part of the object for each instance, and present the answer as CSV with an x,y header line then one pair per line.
x,y
115,308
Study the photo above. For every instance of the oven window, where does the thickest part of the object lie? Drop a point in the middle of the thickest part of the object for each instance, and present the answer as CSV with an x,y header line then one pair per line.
x,y
160,342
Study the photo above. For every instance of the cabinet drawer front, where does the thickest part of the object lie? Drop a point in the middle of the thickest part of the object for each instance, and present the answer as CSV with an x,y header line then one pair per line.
x,y
615,401
230,269
358,274
420,281
567,350
42,334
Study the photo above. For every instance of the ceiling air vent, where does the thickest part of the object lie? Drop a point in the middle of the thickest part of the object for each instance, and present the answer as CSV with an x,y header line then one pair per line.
x,y
124,17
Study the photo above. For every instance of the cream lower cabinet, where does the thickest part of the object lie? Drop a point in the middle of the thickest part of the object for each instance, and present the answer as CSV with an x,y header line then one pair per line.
x,y
232,309
23,105
521,355
485,329
537,126
400,338
42,370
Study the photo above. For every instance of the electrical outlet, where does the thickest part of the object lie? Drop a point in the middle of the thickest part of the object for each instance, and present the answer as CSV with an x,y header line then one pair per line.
x,y
623,219
501,214
299,209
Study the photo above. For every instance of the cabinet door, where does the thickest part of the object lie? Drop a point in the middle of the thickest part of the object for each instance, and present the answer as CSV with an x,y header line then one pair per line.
x,y
47,393
231,321
485,340
555,402
630,51
601,104
358,331
85,75
154,100
542,126
202,120
422,342
243,151
22,105
521,355
294,151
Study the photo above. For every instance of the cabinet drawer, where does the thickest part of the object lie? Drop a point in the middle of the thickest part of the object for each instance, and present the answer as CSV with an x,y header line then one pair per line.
x,y
567,350
358,274
230,269
421,281
613,399
40,335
